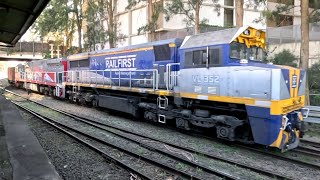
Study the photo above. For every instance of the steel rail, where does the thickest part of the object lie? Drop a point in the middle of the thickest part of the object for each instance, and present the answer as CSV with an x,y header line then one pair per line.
x,y
316,166
307,151
310,143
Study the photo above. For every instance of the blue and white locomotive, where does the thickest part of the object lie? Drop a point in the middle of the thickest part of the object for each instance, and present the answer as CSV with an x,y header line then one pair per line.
x,y
215,81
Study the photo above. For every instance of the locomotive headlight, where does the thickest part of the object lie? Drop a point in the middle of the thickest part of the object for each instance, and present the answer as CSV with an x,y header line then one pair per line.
x,y
258,34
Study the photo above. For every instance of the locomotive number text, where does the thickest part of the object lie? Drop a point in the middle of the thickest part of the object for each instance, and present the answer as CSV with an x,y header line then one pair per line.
x,y
205,79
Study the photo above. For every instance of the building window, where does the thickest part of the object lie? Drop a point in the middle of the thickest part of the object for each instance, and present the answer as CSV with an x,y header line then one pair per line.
x,y
228,17
228,3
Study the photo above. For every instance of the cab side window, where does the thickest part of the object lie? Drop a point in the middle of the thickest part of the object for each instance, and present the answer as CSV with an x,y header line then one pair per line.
x,y
80,63
198,58
215,56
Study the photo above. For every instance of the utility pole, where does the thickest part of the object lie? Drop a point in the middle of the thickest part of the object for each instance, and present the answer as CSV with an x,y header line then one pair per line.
x,y
239,12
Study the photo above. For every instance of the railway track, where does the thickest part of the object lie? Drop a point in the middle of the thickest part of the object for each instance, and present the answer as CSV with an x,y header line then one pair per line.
x,y
309,147
310,143
308,151
142,159
189,169
141,139
296,153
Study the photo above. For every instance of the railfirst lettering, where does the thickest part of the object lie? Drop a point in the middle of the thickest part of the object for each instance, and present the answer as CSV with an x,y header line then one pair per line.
x,y
121,62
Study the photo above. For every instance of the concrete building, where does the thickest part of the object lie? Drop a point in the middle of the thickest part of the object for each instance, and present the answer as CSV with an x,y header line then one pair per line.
x,y
219,14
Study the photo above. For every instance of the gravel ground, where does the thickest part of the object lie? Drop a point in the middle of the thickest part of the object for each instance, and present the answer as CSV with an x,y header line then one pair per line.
x,y
241,155
71,159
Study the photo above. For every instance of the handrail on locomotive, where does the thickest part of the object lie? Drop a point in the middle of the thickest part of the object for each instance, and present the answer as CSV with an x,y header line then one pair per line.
x,y
73,76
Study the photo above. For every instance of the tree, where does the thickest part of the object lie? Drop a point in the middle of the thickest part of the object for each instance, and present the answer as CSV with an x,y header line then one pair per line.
x,y
112,27
239,12
78,12
96,32
304,48
191,11
59,20
285,58
55,22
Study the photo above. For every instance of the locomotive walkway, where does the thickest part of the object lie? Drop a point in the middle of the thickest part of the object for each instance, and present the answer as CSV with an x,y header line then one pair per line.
x,y
27,158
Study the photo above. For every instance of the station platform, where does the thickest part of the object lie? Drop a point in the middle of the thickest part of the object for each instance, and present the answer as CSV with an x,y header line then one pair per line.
x,y
27,158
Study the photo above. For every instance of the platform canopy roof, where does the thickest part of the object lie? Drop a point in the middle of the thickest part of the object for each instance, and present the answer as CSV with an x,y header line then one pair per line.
x,y
16,16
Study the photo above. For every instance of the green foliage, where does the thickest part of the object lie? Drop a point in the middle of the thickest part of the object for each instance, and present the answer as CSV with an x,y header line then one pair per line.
x,y
54,18
133,3
285,58
315,13
72,50
96,33
314,76
59,20
46,54
314,84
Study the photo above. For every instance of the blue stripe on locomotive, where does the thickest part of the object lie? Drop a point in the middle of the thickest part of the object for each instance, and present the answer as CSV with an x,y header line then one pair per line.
x,y
137,57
